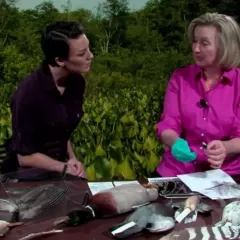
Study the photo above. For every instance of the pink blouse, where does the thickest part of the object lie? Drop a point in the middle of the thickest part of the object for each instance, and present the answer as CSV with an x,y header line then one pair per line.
x,y
184,114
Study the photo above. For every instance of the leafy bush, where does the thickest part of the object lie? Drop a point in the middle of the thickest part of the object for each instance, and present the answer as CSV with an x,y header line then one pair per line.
x,y
116,137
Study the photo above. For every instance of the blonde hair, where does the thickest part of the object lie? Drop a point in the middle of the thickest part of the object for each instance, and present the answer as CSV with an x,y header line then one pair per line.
x,y
229,36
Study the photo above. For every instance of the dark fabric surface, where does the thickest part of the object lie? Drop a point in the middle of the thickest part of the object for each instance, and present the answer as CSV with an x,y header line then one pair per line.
x,y
98,229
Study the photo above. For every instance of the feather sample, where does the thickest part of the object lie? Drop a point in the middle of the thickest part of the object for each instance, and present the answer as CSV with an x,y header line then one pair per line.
x,y
209,232
40,200
9,207
231,214
40,234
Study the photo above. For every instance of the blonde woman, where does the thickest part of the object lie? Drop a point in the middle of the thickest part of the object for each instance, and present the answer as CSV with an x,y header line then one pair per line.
x,y
200,122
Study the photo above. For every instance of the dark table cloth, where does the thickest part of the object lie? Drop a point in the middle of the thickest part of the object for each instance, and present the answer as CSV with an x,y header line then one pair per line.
x,y
98,229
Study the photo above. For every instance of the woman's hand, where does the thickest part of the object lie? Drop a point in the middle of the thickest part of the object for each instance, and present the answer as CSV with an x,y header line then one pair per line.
x,y
216,153
76,167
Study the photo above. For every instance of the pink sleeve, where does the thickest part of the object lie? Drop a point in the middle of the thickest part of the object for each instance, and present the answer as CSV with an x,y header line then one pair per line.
x,y
170,118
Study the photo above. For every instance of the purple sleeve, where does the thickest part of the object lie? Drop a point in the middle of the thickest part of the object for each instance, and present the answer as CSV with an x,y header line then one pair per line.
x,y
25,121
170,118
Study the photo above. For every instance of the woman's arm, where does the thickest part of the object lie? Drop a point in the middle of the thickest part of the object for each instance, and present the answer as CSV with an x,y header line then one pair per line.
x,y
169,137
232,146
169,127
42,161
70,150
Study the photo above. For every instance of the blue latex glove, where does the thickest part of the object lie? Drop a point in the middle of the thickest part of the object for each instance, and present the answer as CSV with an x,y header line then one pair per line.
x,y
181,151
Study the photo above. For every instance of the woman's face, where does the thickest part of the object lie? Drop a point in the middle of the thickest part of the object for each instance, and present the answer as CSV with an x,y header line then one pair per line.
x,y
80,57
205,46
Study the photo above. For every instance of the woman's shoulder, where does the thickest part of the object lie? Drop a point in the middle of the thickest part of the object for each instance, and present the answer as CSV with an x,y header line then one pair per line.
x,y
187,69
186,73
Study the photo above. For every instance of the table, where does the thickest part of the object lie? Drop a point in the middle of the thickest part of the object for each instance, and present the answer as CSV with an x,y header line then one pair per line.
x,y
98,229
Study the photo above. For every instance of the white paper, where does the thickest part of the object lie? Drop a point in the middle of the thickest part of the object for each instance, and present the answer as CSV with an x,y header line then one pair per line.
x,y
157,179
202,180
123,228
217,193
119,183
183,215
204,183
96,187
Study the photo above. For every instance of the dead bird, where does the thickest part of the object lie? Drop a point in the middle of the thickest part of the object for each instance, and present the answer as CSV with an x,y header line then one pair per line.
x,y
40,200
154,217
208,232
111,202
195,205
123,198
231,215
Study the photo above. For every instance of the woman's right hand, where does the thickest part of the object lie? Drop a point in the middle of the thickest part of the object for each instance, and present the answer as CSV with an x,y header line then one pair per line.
x,y
71,170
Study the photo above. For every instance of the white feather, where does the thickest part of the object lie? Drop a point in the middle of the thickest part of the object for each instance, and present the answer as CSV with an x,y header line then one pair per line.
x,y
217,233
205,233
192,233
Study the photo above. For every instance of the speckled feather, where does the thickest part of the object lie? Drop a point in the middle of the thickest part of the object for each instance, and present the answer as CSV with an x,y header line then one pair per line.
x,y
40,200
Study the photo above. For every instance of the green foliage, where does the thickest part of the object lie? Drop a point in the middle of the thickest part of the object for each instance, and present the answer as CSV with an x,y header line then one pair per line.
x,y
116,137
5,126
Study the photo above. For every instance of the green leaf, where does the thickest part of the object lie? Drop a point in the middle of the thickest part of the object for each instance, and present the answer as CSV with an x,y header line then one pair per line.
x,y
98,119
144,132
153,161
103,124
139,158
124,119
115,153
85,129
137,146
124,169
131,118
91,173
150,144
103,166
119,131
117,143
114,165
133,131
99,151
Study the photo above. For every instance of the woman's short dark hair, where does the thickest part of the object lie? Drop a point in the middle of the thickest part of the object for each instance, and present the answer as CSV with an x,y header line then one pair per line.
x,y
54,40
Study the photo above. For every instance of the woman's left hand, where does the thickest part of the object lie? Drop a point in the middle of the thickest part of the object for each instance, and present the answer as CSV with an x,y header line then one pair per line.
x,y
78,166
216,153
